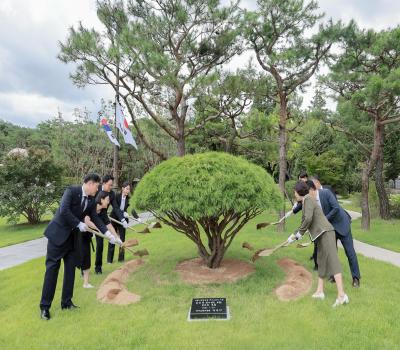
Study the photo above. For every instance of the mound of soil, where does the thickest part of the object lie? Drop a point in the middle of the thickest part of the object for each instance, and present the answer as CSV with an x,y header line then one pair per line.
x,y
298,280
195,271
113,289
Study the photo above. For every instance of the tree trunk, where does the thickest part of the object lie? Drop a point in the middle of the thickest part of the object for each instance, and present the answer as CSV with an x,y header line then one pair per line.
x,y
365,220
217,254
371,162
181,146
282,154
231,137
180,140
384,211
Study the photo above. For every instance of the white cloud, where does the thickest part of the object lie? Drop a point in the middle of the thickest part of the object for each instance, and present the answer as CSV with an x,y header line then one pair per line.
x,y
34,83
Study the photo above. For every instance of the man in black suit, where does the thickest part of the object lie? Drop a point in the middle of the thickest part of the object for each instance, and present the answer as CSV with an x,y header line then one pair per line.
x,y
318,185
122,200
341,221
76,203
107,185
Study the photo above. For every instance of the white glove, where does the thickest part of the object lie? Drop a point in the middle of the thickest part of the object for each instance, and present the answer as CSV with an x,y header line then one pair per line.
x,y
126,215
124,223
294,237
118,241
294,205
82,227
298,235
110,237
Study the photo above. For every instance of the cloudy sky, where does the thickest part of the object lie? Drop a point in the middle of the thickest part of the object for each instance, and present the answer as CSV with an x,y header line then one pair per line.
x,y
34,84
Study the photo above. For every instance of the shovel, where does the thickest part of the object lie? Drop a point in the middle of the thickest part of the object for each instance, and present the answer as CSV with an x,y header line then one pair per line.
x,y
145,230
267,252
266,224
152,225
97,233
303,245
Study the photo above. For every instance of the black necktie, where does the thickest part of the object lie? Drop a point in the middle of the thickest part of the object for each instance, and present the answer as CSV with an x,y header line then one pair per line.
x,y
84,203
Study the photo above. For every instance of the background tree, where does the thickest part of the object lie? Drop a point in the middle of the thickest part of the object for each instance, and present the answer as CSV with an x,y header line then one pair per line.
x,y
29,186
159,56
211,194
365,78
278,34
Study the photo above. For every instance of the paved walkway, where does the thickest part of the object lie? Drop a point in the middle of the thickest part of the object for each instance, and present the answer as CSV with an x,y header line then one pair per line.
x,y
20,253
371,251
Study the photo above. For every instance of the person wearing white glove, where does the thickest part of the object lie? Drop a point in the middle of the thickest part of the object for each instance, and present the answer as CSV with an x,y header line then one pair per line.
x,y
62,232
122,202
321,231
118,241
84,262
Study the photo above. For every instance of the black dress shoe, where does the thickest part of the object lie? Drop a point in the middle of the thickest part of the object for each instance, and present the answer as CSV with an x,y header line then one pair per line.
x,y
98,271
332,279
316,268
356,282
71,306
45,314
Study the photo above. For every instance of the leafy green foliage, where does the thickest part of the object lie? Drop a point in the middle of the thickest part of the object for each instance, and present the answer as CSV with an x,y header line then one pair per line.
x,y
162,55
395,205
206,184
29,186
215,191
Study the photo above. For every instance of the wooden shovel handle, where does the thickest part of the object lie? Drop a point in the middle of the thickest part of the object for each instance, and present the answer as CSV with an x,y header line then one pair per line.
x,y
120,223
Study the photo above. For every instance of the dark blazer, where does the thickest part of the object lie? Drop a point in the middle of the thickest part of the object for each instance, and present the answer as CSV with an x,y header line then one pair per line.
x,y
336,215
298,207
118,214
118,198
70,214
329,187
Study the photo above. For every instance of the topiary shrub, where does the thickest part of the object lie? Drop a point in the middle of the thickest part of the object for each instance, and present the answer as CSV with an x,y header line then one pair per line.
x,y
208,197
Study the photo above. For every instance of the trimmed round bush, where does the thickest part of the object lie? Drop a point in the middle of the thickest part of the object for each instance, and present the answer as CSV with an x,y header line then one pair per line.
x,y
215,192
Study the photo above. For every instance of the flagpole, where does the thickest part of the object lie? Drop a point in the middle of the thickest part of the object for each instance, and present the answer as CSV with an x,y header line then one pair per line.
x,y
115,160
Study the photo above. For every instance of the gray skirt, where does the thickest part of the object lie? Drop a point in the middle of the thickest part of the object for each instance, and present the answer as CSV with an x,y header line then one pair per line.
x,y
327,255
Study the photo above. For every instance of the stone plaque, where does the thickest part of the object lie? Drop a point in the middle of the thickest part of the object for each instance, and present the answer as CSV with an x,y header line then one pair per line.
x,y
206,308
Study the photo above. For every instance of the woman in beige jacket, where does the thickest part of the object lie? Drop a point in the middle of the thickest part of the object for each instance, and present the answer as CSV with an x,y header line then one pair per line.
x,y
321,232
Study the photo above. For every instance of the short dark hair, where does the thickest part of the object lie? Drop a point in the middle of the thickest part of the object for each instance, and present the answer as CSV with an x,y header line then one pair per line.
x,y
301,188
311,185
101,195
315,177
125,184
107,178
302,175
91,177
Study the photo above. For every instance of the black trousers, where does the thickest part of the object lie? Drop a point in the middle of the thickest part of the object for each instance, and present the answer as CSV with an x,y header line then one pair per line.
x,y
314,256
99,253
111,247
347,243
54,256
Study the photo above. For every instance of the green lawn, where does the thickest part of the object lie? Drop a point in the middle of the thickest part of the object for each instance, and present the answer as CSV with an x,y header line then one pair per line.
x,y
259,320
383,233
12,234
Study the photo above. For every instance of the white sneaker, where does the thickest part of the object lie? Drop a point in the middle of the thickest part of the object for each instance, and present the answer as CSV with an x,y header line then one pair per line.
x,y
319,295
87,286
338,302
